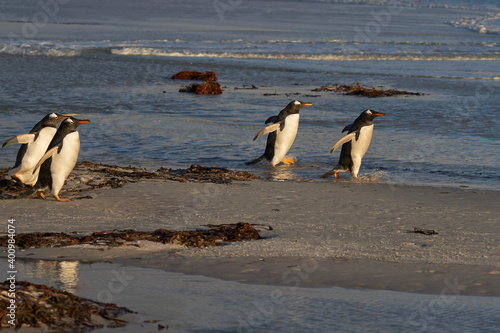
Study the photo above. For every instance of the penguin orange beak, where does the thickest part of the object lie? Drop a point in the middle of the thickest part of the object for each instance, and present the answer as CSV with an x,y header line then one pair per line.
x,y
378,114
307,104
83,121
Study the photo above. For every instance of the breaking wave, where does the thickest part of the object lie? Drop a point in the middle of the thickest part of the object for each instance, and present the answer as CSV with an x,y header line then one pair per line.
x,y
289,56
342,51
488,24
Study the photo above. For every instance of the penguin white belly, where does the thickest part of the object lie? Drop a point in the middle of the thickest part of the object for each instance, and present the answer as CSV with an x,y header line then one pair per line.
x,y
285,138
359,148
64,161
33,154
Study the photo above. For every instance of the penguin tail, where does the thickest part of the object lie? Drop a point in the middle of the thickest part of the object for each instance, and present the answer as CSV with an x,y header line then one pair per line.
x,y
334,171
257,160
328,174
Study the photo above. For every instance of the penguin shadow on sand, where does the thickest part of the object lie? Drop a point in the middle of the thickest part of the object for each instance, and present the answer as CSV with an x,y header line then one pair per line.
x,y
281,134
47,155
354,144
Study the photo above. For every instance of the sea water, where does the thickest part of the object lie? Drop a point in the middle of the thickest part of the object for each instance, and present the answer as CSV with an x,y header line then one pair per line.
x,y
190,303
111,62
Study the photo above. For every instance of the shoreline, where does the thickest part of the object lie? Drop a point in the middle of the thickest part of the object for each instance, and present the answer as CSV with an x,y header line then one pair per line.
x,y
348,234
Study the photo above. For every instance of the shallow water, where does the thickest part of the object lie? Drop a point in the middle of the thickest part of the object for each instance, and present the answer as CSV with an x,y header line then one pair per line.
x,y
115,69
188,303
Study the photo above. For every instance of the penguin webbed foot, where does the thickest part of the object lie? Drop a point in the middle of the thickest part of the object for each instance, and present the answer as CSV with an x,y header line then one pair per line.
x,y
40,194
60,199
288,160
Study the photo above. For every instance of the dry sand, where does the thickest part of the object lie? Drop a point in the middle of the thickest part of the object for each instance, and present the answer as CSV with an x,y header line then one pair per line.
x,y
334,233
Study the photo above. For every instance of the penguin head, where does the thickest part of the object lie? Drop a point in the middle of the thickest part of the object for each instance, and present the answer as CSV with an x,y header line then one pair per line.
x,y
72,123
295,106
52,119
369,115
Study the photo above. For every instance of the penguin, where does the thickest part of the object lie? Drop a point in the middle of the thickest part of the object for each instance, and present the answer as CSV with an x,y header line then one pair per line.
x,y
354,144
60,158
282,133
34,145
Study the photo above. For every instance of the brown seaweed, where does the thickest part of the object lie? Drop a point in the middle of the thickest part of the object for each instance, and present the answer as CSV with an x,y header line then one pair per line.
x,y
357,90
46,307
213,236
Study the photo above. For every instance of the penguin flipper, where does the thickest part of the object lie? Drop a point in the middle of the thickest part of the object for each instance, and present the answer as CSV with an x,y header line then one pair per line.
x,y
268,129
347,128
272,119
46,156
343,140
21,138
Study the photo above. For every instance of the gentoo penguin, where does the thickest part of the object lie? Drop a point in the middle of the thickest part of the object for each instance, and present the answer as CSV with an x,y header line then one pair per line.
x,y
354,144
34,145
60,158
282,133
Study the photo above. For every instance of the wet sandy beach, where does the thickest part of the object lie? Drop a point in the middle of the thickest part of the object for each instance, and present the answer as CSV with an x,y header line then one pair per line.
x,y
346,233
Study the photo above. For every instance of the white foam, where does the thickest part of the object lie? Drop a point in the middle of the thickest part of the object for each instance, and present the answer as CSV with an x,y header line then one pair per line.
x,y
148,51
487,24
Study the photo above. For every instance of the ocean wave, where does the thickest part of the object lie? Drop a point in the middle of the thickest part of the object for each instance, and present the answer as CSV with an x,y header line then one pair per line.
x,y
146,51
488,24
50,49
344,51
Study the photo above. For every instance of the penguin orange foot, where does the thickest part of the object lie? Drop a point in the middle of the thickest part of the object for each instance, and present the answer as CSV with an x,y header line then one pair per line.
x,y
61,200
40,194
288,160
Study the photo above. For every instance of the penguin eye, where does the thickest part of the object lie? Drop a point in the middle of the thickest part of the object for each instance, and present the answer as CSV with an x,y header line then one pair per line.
x,y
296,102
368,112
69,121
52,115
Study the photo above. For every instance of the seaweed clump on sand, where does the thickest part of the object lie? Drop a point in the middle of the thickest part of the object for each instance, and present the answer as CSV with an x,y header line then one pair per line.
x,y
357,90
49,309
88,176
10,189
213,236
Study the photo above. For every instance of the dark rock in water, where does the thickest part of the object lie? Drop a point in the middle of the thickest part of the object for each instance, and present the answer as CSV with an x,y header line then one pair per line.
x,y
190,88
194,75
206,76
208,88
52,310
185,75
